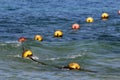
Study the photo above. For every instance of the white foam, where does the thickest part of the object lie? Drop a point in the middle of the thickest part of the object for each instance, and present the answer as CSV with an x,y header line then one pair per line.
x,y
52,59
74,56
12,42
15,43
35,57
17,56
67,57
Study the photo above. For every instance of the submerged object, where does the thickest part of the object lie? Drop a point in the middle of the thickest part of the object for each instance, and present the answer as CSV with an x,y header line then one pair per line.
x,y
22,39
58,33
75,26
89,20
27,53
38,37
105,16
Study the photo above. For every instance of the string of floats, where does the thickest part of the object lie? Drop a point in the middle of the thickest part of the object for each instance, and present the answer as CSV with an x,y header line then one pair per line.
x,y
59,33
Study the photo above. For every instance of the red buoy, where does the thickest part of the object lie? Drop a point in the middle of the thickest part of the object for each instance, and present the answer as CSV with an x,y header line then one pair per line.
x,y
119,12
22,39
75,26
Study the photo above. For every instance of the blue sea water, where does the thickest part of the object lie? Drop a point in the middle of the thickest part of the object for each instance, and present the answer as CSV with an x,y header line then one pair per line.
x,y
95,46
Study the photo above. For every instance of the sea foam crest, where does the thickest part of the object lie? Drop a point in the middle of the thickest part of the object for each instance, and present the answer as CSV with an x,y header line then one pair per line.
x,y
15,43
19,56
67,57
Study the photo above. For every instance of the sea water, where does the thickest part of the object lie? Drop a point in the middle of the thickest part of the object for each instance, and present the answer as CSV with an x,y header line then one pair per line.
x,y
95,46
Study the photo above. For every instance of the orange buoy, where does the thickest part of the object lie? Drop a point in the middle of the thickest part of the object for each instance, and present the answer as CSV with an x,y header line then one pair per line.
x,y
22,39
75,26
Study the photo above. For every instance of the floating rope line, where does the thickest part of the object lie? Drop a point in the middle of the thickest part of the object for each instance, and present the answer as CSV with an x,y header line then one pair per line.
x,y
37,61
23,48
64,67
44,63
70,66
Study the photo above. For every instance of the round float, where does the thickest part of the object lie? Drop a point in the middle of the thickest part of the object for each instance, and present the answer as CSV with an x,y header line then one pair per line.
x,y
38,37
58,33
105,16
74,65
75,26
22,39
27,53
89,20
119,12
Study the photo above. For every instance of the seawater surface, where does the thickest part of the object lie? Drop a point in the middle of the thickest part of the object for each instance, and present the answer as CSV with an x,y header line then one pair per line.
x,y
95,46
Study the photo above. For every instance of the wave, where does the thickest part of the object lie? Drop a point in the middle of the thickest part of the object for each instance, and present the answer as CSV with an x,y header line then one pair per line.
x,y
19,56
14,43
67,57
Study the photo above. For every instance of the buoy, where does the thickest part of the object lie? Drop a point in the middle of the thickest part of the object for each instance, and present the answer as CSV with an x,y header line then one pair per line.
x,y
74,65
119,12
58,33
27,53
22,39
105,16
38,37
89,20
75,26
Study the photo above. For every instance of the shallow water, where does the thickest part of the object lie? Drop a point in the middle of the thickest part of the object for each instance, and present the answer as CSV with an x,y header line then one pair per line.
x,y
95,46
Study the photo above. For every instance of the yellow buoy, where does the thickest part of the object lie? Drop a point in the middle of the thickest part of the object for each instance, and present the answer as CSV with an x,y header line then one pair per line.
x,y
58,33
27,53
38,37
104,16
74,66
89,20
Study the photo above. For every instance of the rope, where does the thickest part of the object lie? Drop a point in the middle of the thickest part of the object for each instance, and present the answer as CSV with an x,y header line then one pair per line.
x,y
64,67
44,63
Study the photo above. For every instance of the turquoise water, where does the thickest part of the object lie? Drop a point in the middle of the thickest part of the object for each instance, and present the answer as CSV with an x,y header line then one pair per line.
x,y
95,46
